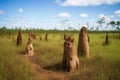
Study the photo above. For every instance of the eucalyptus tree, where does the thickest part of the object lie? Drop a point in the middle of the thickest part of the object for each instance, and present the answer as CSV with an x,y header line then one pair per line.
x,y
64,22
112,23
118,27
88,25
101,21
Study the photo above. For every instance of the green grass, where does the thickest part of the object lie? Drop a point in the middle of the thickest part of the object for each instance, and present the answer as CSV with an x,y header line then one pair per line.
x,y
104,62
12,66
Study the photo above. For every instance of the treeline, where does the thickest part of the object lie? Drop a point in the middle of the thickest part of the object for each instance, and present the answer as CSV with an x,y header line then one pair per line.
x,y
6,31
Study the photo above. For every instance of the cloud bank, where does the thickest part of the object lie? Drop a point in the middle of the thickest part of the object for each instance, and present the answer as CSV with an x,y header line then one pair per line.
x,y
86,2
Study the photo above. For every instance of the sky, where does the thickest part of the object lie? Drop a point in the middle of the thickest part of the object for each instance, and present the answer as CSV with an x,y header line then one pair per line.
x,y
57,14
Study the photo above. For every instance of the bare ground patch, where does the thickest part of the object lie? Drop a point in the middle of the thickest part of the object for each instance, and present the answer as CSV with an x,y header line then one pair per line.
x,y
45,73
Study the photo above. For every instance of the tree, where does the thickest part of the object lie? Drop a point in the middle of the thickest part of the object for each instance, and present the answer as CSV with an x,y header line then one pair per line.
x,y
88,25
3,30
113,24
101,21
92,28
64,23
118,27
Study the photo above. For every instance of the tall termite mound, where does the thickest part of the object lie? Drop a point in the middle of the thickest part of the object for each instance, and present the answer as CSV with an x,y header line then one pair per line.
x,y
40,37
32,35
46,37
19,38
29,48
106,39
65,36
13,39
70,60
83,45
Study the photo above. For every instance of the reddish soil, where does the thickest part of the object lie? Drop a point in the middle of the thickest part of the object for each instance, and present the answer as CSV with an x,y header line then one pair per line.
x,y
44,74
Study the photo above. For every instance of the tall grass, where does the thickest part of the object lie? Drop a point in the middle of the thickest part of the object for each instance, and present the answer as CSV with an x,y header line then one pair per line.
x,y
12,66
103,64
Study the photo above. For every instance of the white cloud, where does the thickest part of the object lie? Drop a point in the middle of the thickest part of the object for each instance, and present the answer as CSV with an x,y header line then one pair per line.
x,y
64,15
86,2
117,13
1,12
20,10
83,15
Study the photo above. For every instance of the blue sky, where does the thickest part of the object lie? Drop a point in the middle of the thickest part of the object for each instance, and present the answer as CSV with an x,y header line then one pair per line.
x,y
50,14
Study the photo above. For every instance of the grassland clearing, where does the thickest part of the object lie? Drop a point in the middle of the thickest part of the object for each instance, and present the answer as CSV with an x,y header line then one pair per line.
x,y
103,64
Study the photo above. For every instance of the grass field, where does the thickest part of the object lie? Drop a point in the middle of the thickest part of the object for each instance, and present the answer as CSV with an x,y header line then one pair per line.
x,y
103,64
